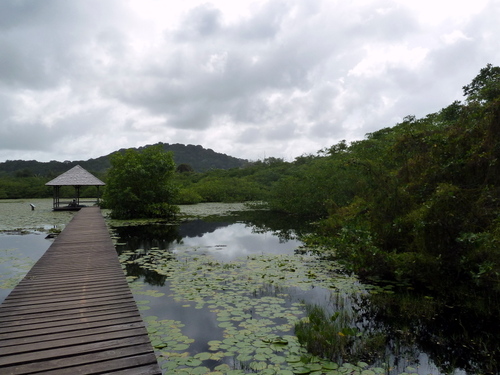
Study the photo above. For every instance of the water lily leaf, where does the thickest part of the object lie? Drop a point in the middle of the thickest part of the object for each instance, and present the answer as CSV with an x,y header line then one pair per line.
x,y
244,357
330,366
260,357
277,359
203,356
293,359
315,367
180,347
200,370
258,366
217,356
301,371
193,362
214,342
156,342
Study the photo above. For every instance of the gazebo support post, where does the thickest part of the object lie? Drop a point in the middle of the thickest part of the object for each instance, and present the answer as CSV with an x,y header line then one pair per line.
x,y
77,192
55,199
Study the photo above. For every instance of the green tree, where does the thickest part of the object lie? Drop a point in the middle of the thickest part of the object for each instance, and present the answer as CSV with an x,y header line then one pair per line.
x,y
184,168
485,86
416,202
140,184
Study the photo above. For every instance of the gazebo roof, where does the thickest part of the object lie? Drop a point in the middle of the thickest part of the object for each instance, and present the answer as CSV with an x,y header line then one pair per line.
x,y
76,176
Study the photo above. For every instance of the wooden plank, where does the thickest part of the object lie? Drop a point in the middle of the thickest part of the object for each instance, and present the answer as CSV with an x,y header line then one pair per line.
x,y
12,312
78,330
65,291
66,326
71,340
39,307
74,313
57,317
61,365
74,350
50,299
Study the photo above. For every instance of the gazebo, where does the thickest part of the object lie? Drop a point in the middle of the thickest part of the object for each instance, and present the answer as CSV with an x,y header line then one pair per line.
x,y
76,177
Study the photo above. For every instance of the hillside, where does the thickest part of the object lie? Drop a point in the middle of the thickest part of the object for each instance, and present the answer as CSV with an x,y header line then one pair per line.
x,y
201,159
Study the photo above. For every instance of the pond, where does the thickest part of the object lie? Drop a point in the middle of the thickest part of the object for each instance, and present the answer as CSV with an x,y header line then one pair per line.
x,y
226,291
23,233
224,294
18,253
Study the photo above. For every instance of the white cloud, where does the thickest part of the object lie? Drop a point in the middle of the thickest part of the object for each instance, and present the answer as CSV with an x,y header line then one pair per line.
x,y
248,78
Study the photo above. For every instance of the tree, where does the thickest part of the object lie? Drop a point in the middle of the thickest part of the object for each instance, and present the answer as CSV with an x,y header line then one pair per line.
x,y
485,87
184,168
140,184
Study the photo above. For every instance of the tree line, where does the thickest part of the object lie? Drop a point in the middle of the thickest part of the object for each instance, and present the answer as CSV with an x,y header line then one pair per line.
x,y
418,202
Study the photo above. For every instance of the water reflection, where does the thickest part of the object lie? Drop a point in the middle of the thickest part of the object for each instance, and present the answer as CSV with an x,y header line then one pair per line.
x,y
223,241
18,252
454,335
238,240
432,337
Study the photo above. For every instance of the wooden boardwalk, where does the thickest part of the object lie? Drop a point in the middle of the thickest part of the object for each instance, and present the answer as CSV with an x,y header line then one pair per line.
x,y
74,313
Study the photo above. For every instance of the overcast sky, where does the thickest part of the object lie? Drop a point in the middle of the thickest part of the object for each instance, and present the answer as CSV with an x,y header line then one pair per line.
x,y
252,79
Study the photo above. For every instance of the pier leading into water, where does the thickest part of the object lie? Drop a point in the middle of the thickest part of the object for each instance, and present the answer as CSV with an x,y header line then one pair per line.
x,y
74,313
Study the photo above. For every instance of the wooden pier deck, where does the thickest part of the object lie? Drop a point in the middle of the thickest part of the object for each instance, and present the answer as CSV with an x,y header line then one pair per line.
x,y
74,313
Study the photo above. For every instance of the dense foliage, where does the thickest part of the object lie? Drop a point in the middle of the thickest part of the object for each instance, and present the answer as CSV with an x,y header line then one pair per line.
x,y
139,184
250,183
417,202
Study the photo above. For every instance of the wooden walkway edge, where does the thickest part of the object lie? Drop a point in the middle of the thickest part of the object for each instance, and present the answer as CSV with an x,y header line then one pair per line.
x,y
74,313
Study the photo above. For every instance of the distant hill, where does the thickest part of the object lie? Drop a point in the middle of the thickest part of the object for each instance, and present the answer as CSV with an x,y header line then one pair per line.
x,y
199,158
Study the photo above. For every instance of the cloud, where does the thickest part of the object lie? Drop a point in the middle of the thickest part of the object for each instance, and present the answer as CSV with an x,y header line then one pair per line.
x,y
276,77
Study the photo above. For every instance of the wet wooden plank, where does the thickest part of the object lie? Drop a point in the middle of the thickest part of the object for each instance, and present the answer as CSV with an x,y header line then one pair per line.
x,y
74,313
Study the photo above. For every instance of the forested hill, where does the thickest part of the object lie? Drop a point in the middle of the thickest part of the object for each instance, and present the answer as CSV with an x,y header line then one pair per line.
x,y
199,158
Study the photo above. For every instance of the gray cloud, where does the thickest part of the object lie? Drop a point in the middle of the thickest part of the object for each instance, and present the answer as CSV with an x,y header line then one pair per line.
x,y
288,77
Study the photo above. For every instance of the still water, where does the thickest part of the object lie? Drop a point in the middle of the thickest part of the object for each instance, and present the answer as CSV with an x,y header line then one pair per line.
x,y
216,293
222,295
18,253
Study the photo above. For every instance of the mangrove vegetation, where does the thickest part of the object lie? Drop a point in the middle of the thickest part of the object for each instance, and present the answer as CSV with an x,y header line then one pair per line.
x,y
417,202
413,209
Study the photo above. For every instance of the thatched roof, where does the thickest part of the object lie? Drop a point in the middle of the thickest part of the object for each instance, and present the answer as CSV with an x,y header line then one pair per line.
x,y
76,176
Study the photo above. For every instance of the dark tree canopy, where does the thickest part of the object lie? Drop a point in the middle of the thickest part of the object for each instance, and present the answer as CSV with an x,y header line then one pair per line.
x,y
184,168
140,185
485,87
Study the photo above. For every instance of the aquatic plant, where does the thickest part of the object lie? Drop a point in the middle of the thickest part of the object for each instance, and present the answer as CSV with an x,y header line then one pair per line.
x,y
339,336
251,302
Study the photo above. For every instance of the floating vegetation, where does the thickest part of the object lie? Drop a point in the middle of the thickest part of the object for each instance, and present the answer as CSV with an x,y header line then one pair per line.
x,y
250,300
13,266
211,209
18,253
201,210
23,219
